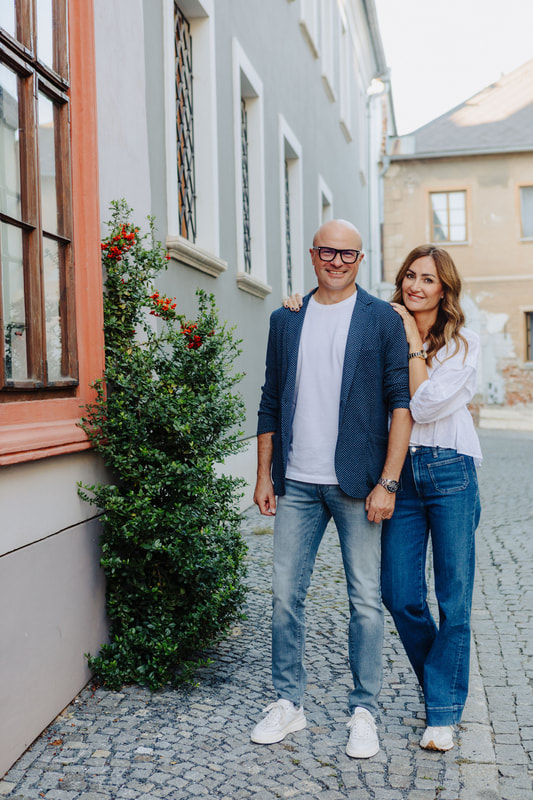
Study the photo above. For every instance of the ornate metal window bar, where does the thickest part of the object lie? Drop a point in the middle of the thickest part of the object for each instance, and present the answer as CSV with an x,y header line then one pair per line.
x,y
184,126
288,228
245,189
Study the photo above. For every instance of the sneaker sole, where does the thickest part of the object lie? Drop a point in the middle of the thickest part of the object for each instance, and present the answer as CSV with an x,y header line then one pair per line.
x,y
296,725
432,746
366,754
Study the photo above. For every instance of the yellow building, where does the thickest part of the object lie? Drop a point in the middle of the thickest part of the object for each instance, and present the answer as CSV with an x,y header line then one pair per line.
x,y
465,182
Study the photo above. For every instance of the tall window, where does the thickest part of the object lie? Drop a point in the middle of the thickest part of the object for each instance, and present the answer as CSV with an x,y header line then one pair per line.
x,y
184,126
291,205
247,244
325,202
249,150
529,340
38,349
448,216
526,211
288,242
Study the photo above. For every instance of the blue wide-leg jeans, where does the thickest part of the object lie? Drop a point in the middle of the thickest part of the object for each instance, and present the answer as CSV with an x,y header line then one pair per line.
x,y
438,496
301,519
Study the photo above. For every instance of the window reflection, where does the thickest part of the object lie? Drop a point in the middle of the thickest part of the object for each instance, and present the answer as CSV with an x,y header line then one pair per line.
x,y
13,303
7,16
47,164
52,288
9,144
45,41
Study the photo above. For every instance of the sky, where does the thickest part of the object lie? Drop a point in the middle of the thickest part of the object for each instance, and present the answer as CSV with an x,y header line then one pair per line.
x,y
441,52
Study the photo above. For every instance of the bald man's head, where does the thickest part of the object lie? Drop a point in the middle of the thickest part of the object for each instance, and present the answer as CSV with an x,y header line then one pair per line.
x,y
335,228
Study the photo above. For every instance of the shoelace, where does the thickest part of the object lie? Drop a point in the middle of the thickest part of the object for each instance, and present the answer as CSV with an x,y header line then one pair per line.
x,y
275,713
361,725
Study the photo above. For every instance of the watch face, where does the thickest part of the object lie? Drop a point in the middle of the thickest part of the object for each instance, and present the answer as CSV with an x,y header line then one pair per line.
x,y
390,485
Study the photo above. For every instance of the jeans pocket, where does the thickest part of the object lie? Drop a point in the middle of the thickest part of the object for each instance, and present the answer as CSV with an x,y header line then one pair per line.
x,y
450,475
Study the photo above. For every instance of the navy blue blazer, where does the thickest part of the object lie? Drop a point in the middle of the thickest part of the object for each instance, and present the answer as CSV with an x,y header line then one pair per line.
x,y
375,381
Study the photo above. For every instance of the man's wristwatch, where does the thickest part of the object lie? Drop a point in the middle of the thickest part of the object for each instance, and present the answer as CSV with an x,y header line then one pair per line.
x,y
418,354
390,485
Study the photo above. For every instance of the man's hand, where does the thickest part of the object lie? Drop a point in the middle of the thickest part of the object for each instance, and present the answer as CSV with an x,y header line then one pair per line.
x,y
264,496
380,504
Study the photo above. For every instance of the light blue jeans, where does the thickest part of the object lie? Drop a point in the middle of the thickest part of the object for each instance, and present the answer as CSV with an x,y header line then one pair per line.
x,y
301,519
438,496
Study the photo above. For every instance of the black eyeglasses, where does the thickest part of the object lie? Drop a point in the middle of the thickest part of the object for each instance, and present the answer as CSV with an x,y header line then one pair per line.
x,y
330,254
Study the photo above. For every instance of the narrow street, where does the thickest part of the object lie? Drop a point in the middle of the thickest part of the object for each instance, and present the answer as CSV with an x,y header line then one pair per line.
x,y
194,742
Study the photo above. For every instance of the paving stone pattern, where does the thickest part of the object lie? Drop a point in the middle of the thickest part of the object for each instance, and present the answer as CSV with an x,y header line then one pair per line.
x,y
194,742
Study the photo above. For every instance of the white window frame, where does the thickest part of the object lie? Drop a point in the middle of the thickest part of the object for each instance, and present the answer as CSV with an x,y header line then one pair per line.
x,y
290,148
523,236
204,253
309,24
328,12
325,201
448,191
248,85
345,78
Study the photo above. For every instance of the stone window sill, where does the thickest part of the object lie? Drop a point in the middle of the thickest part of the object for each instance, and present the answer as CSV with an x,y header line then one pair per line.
x,y
185,252
252,285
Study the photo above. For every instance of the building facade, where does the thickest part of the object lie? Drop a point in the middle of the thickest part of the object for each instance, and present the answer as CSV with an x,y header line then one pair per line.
x,y
465,182
240,126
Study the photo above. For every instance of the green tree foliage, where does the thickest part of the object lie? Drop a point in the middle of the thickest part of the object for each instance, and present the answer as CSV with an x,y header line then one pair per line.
x,y
164,416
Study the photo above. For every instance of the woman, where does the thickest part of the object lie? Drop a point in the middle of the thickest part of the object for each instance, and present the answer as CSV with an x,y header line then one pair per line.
x,y
438,492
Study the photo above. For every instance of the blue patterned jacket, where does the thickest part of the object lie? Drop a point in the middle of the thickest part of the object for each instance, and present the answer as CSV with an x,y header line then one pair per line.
x,y
375,381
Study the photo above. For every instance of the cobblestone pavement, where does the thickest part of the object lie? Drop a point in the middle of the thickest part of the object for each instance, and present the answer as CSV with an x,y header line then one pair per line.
x,y
194,742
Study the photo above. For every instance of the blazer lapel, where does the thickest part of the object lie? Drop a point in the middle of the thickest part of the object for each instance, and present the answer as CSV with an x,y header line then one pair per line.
x,y
293,332
360,319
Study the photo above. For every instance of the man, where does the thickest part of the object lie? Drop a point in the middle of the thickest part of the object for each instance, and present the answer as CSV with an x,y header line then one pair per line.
x,y
334,371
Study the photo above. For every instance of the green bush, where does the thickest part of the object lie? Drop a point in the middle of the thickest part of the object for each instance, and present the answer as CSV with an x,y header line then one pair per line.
x,y
164,416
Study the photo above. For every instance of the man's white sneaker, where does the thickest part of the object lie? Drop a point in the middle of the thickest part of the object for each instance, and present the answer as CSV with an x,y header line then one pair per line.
x,y
438,737
363,741
283,717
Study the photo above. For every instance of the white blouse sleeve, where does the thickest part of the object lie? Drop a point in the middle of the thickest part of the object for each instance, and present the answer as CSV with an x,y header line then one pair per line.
x,y
451,385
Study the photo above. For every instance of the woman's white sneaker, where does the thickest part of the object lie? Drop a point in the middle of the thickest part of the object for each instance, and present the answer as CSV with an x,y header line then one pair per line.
x,y
282,718
363,741
438,737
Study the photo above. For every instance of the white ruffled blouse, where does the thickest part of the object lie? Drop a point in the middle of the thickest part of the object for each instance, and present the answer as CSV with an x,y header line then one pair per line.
x,y
439,405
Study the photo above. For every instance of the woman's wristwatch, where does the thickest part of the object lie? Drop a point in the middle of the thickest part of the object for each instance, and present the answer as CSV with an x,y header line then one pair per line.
x,y
418,354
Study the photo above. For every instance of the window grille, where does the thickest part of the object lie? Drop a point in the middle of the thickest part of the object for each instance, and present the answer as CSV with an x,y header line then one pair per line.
x,y
245,189
288,227
184,126
529,341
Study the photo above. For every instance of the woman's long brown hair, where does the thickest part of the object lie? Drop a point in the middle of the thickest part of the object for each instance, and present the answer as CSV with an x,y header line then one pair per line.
x,y
450,317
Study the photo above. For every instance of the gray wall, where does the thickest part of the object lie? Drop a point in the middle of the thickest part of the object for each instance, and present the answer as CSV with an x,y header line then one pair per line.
x,y
271,37
52,593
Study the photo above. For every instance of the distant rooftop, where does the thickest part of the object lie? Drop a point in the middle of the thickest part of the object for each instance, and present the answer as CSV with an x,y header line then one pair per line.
x,y
497,119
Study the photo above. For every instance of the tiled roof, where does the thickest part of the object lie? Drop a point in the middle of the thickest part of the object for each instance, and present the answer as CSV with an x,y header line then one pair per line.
x,y
497,119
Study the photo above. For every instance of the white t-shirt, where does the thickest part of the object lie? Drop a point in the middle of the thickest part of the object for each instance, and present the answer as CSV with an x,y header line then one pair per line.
x,y
315,423
439,405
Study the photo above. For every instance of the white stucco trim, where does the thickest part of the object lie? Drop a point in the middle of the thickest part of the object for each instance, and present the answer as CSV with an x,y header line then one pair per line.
x,y
200,16
249,284
291,149
190,254
325,209
309,24
328,19
248,85
345,82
